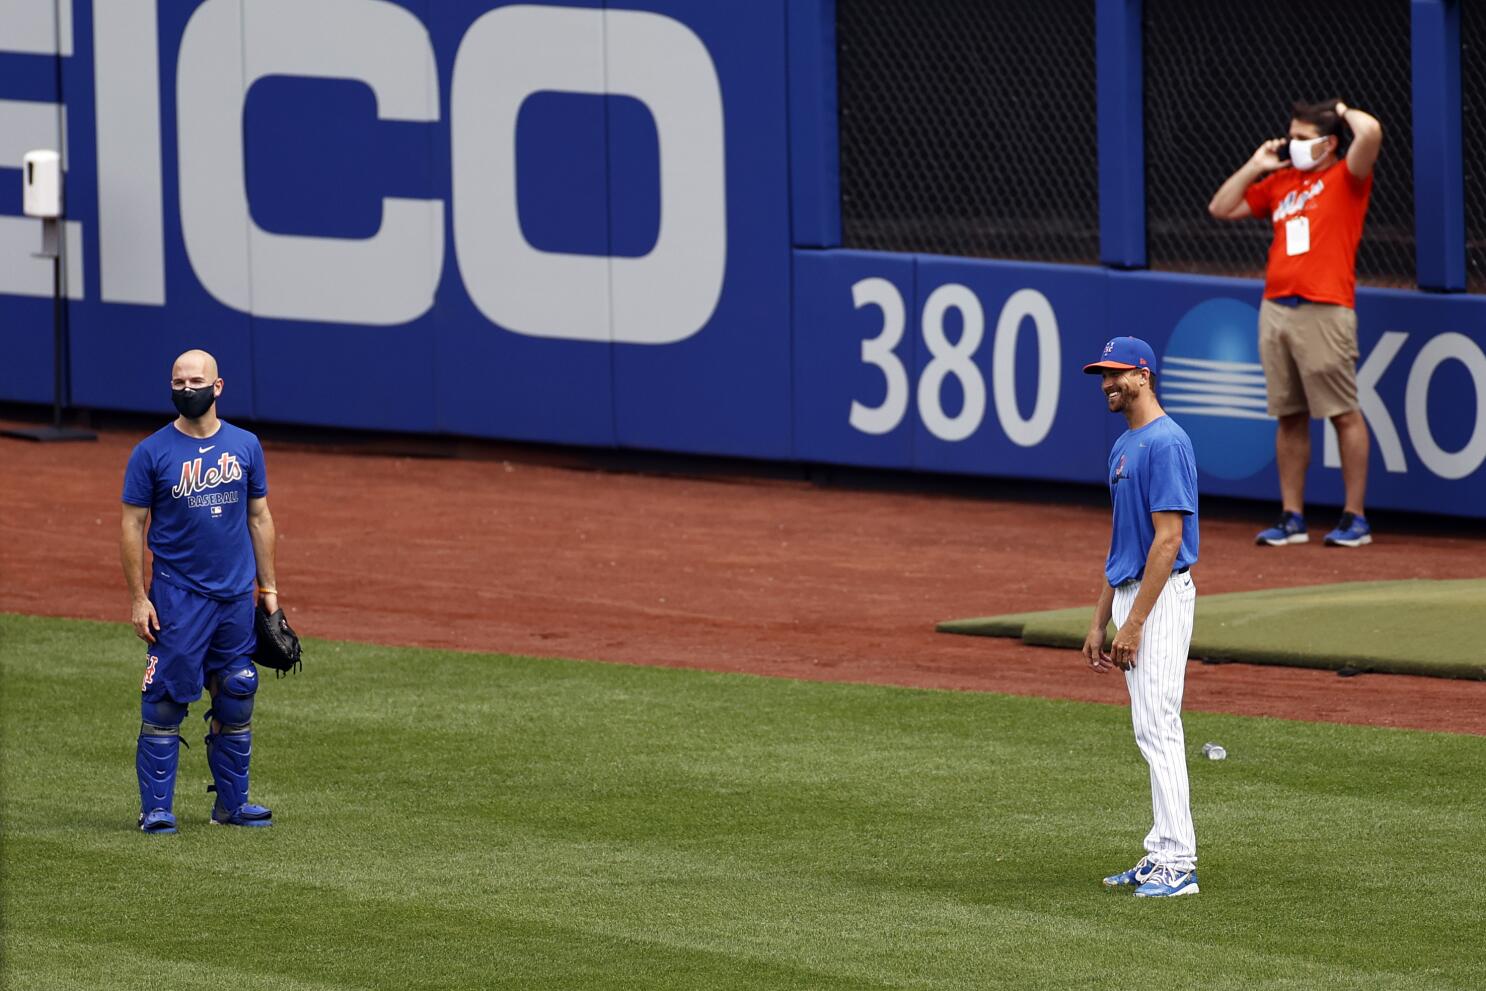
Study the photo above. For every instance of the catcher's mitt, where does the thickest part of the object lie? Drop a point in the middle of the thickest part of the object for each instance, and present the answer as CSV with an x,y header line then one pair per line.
x,y
278,644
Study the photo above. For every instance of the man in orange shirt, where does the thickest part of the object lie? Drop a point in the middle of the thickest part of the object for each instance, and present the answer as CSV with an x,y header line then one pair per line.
x,y
1317,202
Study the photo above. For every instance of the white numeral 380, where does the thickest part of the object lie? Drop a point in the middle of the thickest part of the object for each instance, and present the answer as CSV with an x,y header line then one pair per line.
x,y
957,359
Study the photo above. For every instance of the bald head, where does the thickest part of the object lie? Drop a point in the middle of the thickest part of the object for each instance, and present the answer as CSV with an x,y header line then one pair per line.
x,y
193,369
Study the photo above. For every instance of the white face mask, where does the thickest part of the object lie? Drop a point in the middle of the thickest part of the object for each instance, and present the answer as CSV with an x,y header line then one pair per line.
x,y
1306,155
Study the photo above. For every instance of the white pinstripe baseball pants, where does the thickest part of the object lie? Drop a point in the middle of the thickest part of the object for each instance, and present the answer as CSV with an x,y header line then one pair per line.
x,y
1155,685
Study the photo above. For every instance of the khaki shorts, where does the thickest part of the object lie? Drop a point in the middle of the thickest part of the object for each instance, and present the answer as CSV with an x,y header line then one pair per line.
x,y
1309,353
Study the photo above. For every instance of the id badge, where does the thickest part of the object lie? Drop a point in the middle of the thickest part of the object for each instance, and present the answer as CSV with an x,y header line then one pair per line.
x,y
1297,236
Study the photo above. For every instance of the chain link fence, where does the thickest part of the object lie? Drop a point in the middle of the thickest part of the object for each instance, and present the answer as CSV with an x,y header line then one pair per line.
x,y
1220,79
1473,139
968,128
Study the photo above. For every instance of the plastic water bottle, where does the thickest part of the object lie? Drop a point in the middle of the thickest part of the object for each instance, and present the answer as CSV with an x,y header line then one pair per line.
x,y
1214,751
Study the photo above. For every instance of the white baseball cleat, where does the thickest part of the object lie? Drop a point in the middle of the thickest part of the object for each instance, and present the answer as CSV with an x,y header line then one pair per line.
x,y
1135,876
1168,882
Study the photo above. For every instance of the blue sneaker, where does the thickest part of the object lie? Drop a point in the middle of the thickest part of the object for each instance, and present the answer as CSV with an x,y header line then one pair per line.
x,y
1136,875
156,822
1168,882
1351,531
246,814
1289,530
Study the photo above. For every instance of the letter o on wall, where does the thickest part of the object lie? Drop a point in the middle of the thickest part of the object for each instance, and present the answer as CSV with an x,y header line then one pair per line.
x,y
1439,350
662,297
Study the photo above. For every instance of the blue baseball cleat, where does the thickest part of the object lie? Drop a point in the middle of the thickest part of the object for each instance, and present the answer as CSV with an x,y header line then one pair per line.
x,y
1289,530
1351,531
1168,882
157,822
246,814
1136,875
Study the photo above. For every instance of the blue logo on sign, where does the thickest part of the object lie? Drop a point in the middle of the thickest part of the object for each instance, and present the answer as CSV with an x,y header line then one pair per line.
x,y
1213,384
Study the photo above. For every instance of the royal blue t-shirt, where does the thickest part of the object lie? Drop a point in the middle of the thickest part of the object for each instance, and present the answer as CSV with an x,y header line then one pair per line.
x,y
1151,470
197,490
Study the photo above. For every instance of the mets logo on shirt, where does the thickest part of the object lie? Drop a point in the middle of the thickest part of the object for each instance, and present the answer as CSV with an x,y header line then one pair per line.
x,y
1119,472
1213,385
198,475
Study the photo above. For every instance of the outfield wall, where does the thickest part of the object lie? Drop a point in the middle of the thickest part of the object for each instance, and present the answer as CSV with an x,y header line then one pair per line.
x,y
619,226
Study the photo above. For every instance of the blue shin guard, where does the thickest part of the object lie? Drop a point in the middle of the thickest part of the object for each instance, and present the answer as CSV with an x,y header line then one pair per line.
x,y
229,750
229,754
156,757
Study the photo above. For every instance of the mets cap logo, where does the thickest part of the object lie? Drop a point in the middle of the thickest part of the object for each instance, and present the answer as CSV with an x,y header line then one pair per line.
x,y
1213,386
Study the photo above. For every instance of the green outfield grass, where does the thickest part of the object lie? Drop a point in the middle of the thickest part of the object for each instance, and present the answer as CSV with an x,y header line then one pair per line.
x,y
473,821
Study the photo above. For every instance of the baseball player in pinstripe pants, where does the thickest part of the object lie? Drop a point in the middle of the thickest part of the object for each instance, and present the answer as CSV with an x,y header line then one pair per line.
x,y
1148,591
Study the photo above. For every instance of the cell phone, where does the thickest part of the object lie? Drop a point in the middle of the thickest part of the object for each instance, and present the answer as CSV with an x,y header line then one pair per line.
x,y
1283,151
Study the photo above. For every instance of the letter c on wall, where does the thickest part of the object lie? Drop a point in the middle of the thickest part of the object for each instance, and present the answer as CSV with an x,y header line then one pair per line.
x,y
388,278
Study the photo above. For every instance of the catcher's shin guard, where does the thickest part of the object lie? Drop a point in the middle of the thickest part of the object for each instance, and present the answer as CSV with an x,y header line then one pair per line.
x,y
228,754
156,758
232,705
229,750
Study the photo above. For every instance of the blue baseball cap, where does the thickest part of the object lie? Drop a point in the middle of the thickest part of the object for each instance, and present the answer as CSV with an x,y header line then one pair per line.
x,y
1123,353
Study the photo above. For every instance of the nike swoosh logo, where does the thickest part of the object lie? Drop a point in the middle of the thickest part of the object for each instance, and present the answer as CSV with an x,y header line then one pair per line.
x,y
203,450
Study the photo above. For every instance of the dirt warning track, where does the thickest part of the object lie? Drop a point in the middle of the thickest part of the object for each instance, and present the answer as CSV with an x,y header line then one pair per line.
x,y
769,577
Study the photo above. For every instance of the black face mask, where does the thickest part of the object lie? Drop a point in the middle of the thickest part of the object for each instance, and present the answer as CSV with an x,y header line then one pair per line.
x,y
193,403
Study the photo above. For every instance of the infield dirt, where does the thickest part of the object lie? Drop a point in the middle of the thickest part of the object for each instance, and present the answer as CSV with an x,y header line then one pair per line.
x,y
736,573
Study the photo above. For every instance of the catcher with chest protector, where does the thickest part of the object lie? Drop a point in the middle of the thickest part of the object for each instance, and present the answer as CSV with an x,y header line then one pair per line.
x,y
201,485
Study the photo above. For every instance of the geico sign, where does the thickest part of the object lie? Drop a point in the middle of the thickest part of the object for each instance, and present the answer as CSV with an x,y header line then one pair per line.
x,y
1438,350
506,55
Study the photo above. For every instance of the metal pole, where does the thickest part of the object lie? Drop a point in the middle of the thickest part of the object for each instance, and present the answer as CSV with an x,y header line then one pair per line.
x,y
57,228
59,277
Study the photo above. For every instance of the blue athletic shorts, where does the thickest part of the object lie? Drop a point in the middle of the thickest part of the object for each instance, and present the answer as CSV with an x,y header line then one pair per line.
x,y
198,637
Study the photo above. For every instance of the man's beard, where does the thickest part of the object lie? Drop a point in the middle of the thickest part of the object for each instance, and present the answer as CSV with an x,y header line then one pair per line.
x,y
1125,395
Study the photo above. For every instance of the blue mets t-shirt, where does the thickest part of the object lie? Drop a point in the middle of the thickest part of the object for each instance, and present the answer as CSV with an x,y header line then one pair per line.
x,y
197,490
1151,470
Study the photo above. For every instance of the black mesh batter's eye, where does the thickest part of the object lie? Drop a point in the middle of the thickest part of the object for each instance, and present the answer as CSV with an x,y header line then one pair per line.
x,y
1473,140
1242,77
967,128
